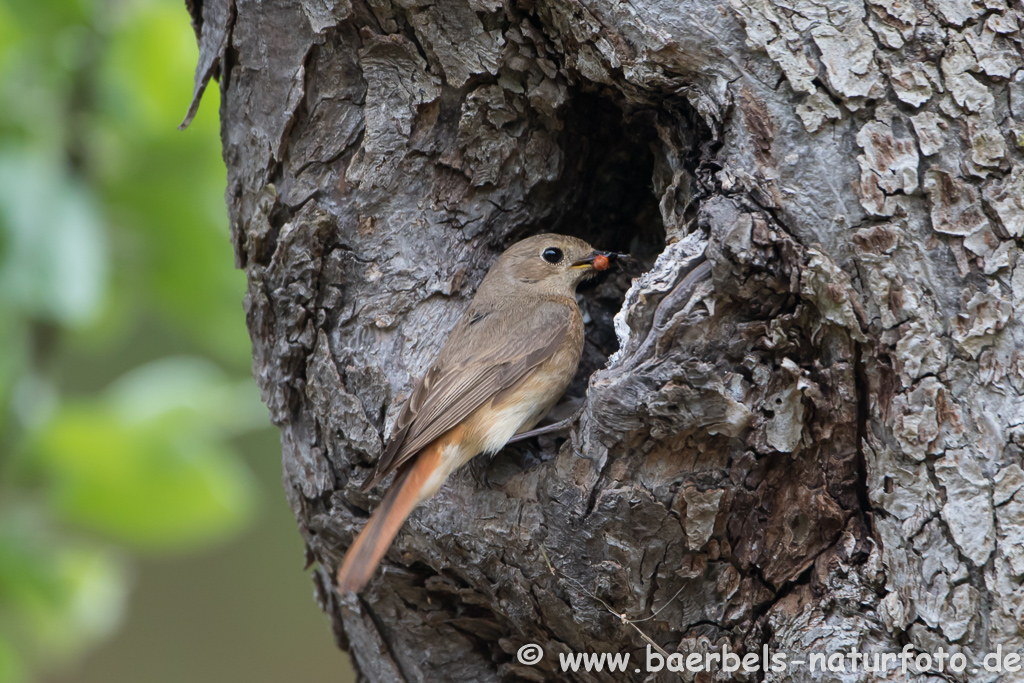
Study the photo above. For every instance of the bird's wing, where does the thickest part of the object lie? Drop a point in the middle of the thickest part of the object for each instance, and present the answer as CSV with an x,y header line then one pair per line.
x,y
469,372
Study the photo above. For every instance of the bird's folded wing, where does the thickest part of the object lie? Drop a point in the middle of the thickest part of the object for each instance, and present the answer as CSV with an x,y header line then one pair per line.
x,y
480,360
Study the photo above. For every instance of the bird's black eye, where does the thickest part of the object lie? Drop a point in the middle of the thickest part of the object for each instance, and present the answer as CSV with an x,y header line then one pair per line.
x,y
552,255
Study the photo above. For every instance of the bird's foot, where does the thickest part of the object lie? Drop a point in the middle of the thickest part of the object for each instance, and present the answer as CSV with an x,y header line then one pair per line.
x,y
560,426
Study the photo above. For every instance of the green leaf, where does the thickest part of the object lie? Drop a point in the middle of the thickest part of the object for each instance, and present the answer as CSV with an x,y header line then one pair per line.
x,y
14,356
193,384
157,484
12,666
148,463
56,598
165,187
52,248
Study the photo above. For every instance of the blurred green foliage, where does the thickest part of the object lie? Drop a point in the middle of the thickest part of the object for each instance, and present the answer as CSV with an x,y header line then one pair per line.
x,y
112,230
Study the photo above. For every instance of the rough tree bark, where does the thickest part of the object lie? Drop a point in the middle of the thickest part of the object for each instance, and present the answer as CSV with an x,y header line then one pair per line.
x,y
819,449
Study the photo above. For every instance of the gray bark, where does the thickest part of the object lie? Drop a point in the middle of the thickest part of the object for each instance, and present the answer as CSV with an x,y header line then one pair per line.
x,y
819,450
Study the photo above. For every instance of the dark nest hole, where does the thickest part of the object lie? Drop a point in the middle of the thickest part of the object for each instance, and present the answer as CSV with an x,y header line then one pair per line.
x,y
607,196
611,203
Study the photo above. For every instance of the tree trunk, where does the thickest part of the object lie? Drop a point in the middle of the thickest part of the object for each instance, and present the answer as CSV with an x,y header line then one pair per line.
x,y
818,449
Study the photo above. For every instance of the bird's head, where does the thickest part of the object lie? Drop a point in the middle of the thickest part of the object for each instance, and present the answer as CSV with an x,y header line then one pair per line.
x,y
549,264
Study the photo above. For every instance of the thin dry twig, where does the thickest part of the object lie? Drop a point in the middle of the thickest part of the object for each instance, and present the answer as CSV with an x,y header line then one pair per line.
x,y
622,617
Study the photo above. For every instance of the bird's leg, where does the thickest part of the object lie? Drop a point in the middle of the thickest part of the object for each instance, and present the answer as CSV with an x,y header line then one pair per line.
x,y
574,437
560,426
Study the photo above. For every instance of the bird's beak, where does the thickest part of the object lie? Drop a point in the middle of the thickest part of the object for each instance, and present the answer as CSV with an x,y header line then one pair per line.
x,y
598,260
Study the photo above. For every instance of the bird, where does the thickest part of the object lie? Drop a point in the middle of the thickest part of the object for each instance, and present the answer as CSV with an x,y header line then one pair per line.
x,y
504,365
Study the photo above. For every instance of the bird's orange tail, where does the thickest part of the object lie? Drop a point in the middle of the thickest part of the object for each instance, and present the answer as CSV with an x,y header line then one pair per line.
x,y
374,540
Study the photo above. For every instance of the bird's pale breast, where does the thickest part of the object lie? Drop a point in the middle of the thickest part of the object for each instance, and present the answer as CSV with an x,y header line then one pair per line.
x,y
494,423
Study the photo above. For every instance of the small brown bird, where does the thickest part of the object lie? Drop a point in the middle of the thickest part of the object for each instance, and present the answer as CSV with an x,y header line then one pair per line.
x,y
508,360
